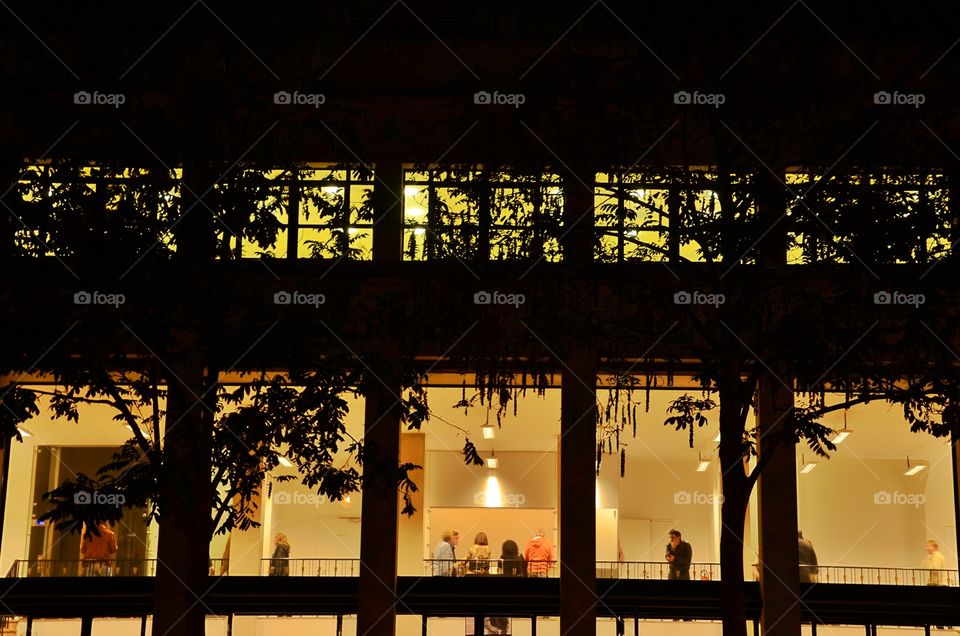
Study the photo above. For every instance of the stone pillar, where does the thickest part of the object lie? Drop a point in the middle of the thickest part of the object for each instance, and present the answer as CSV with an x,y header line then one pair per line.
x,y
379,528
578,413
777,514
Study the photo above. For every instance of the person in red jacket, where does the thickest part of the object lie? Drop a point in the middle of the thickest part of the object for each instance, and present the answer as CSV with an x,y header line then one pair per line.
x,y
539,555
97,548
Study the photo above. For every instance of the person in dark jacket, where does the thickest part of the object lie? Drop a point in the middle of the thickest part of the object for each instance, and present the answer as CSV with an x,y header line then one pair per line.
x,y
679,556
280,561
808,559
512,560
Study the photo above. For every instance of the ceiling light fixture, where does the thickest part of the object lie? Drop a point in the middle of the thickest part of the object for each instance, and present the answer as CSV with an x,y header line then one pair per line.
x,y
806,466
914,469
286,463
716,437
488,431
843,433
703,465
492,461
25,433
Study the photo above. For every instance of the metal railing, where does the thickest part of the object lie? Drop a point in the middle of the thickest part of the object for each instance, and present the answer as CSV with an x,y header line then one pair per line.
x,y
656,570
47,568
883,576
310,567
491,567
638,570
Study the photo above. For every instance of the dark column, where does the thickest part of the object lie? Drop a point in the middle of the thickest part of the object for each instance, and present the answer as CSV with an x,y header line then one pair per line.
x,y
777,495
578,437
379,530
578,411
777,514
388,211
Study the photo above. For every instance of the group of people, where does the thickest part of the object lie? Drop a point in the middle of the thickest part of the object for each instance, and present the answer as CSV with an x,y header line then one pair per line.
x,y
535,561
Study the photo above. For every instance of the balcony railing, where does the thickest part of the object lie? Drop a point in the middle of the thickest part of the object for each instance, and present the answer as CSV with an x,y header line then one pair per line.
x,y
310,567
635,570
884,576
490,567
46,568
655,570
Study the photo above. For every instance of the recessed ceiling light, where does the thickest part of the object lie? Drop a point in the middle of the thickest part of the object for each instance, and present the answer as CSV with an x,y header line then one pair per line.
x,y
915,468
492,461
841,435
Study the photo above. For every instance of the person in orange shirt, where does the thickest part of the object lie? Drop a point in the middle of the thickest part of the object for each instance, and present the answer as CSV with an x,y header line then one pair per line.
x,y
97,548
539,555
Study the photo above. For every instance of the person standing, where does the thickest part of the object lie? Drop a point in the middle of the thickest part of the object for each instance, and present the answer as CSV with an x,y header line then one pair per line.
x,y
97,547
935,563
679,556
808,559
280,561
478,559
539,555
445,555
511,561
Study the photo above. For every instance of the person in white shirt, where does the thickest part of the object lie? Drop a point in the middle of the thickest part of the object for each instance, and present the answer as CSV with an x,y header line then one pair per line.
x,y
934,562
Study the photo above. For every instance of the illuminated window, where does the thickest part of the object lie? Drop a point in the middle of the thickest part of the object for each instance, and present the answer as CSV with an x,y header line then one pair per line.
x,y
473,213
68,207
671,215
868,217
302,212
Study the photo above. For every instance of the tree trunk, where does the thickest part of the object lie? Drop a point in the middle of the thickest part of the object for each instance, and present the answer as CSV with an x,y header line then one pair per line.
x,y
183,558
734,508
